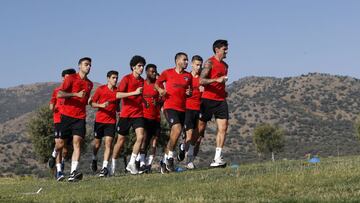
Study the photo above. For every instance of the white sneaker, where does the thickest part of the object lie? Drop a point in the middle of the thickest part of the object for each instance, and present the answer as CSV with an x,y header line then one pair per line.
x,y
219,162
190,165
132,169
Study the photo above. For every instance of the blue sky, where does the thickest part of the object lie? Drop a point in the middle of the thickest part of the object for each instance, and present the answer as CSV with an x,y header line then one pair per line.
x,y
267,38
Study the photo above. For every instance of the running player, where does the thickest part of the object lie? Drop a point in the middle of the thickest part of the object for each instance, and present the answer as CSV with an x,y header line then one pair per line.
x,y
105,101
213,100
192,115
58,159
151,106
178,86
76,90
131,116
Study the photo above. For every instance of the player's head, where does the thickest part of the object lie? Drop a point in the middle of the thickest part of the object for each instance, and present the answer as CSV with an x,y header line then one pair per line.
x,y
137,64
151,71
181,60
112,77
196,63
220,47
85,65
67,72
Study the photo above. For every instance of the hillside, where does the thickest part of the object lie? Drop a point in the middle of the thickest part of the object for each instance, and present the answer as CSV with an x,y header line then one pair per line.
x,y
316,111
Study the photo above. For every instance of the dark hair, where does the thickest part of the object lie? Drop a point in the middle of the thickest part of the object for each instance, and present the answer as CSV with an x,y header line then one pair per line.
x,y
84,59
135,60
150,65
112,72
68,72
180,54
197,58
220,43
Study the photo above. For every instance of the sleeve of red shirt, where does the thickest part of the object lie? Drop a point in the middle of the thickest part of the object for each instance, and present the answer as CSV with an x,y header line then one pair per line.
x,y
96,96
53,97
66,85
162,78
123,85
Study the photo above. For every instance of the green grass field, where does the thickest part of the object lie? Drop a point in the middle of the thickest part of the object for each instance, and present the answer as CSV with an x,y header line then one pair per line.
x,y
332,180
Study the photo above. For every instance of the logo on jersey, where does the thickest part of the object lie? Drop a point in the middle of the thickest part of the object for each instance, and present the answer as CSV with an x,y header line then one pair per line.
x,y
186,78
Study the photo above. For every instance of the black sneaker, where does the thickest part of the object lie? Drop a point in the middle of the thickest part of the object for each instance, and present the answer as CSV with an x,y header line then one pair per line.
x,y
104,172
170,164
148,169
142,169
52,162
75,176
137,164
181,154
163,167
93,166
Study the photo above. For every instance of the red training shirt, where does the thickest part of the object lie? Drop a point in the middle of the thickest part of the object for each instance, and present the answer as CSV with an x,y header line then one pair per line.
x,y
216,91
151,96
131,107
175,85
104,94
193,102
74,106
57,102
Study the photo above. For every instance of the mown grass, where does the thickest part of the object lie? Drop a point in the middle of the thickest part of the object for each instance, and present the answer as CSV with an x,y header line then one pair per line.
x,y
332,180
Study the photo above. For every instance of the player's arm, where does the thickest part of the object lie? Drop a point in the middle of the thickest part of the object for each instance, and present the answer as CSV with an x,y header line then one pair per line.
x,y
120,95
204,76
159,84
63,94
52,101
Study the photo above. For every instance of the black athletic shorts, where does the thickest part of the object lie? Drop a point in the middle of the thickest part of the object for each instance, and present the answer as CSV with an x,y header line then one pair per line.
x,y
210,107
173,117
72,126
124,125
104,129
152,127
191,119
57,131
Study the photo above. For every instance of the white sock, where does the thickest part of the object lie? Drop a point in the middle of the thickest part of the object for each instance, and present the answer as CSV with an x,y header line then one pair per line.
x,y
74,165
54,153
105,164
142,159
217,153
150,160
133,158
138,157
190,151
165,157
58,167
94,157
171,154
113,165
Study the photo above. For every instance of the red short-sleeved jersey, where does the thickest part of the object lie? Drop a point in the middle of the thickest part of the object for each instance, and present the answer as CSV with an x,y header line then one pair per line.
x,y
175,85
151,96
193,102
57,102
216,91
104,94
74,106
131,107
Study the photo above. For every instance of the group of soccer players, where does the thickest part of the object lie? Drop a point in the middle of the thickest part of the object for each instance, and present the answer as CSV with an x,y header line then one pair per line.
x,y
188,100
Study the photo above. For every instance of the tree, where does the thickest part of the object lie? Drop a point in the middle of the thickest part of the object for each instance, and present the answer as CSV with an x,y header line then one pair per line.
x,y
41,130
268,138
357,128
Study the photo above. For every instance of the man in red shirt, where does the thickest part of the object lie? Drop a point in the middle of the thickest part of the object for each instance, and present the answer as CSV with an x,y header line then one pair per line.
x,y
192,115
152,107
55,106
213,99
104,99
178,86
131,115
76,90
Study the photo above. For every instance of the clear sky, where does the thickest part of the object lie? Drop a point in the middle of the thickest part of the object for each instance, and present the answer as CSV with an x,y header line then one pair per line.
x,y
39,38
